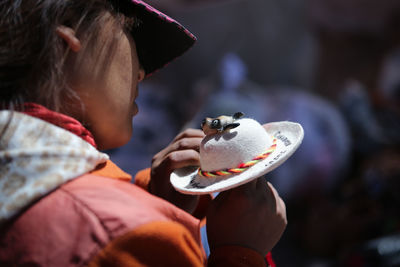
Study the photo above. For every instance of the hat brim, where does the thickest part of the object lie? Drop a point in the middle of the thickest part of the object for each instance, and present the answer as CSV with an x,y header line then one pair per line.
x,y
289,136
159,39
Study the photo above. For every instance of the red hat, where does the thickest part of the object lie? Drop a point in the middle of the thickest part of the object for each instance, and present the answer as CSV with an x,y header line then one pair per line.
x,y
159,39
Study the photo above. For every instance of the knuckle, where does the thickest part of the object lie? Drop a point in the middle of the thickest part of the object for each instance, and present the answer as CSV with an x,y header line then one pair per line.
x,y
172,158
283,223
283,217
185,133
183,143
190,154
158,155
194,155
188,131
154,159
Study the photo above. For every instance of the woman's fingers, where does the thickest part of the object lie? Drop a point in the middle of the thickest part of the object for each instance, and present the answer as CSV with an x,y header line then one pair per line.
x,y
160,174
179,159
189,133
180,145
190,139
183,151
186,143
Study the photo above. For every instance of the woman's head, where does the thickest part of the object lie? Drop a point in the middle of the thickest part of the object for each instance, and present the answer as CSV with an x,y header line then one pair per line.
x,y
75,57
105,75
79,57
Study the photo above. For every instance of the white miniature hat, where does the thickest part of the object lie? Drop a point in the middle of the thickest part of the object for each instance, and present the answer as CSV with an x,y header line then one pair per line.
x,y
238,156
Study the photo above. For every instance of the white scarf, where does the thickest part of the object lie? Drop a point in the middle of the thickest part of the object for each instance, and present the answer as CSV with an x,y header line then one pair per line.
x,y
35,158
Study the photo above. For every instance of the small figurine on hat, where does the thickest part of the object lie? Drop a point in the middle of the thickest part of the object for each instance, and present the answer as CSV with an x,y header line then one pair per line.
x,y
220,124
236,151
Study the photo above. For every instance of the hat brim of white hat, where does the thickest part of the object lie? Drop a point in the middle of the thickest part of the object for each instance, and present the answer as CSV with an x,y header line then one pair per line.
x,y
289,136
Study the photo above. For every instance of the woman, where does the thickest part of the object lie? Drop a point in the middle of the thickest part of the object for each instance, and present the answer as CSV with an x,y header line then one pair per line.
x,y
69,74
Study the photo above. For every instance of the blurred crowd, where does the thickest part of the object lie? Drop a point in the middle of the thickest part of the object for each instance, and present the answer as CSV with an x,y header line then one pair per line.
x,y
334,67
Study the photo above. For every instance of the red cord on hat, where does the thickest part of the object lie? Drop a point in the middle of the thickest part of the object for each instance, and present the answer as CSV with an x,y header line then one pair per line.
x,y
241,167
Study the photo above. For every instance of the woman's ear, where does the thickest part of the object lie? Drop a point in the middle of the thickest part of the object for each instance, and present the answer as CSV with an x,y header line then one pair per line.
x,y
69,36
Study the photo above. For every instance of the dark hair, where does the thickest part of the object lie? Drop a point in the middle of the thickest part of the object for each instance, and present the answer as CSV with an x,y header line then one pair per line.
x,y
32,55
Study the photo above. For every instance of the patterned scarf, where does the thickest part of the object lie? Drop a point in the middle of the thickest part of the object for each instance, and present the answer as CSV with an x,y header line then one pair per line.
x,y
37,156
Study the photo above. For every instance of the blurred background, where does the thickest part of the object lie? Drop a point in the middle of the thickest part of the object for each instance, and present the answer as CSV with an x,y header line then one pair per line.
x,y
334,67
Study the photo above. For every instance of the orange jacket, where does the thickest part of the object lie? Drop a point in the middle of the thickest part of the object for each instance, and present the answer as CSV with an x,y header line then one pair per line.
x,y
99,221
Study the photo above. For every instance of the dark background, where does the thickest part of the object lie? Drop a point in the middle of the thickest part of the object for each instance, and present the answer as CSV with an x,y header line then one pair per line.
x,y
334,67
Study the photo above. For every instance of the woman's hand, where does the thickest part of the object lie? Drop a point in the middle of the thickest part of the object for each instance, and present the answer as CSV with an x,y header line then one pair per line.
x,y
252,215
183,151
